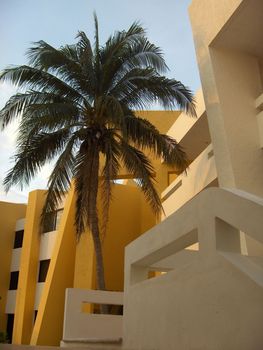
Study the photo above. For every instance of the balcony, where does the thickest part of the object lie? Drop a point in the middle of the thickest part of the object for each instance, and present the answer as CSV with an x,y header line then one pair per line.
x,y
201,174
83,327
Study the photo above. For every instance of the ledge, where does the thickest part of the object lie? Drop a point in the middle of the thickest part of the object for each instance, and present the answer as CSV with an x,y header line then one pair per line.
x,y
259,102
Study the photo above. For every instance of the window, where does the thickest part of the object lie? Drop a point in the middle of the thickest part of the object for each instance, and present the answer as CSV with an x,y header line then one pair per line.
x,y
43,269
9,326
52,221
19,235
13,280
58,217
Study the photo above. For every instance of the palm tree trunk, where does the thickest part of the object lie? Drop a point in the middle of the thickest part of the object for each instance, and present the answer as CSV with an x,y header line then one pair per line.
x,y
94,227
100,277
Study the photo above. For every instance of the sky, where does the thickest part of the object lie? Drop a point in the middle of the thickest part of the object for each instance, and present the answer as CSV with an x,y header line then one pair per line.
x,y
58,21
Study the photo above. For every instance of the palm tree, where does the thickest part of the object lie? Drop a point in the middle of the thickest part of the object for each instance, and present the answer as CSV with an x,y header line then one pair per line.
x,y
77,105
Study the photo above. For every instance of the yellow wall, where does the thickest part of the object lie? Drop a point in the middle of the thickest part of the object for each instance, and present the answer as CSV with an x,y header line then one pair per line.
x,y
49,322
9,214
125,224
129,217
84,274
162,120
127,213
24,311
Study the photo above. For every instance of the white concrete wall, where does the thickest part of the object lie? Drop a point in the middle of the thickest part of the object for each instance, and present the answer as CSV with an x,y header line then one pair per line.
x,y
39,290
183,123
228,42
20,224
47,243
212,301
15,262
79,325
11,302
199,175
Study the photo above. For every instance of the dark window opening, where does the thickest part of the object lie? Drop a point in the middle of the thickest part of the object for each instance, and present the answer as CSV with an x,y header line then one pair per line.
x,y
19,235
52,221
10,326
35,316
43,269
13,280
113,309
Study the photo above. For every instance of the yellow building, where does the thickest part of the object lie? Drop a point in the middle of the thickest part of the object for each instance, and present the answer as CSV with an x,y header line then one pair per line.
x,y
43,266
206,255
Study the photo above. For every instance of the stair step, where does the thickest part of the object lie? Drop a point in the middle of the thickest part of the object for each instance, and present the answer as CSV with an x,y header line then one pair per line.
x,y
258,260
92,344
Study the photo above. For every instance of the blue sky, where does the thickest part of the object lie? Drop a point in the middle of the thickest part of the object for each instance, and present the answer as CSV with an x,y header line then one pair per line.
x,y
58,21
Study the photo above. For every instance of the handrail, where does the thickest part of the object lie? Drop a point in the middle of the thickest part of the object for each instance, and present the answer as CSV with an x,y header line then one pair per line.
x,y
184,187
214,218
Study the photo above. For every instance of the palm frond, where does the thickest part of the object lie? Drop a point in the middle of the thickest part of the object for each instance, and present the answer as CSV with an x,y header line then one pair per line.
x,y
96,50
145,135
19,102
140,54
141,87
140,166
49,117
111,152
32,153
119,41
36,79
60,179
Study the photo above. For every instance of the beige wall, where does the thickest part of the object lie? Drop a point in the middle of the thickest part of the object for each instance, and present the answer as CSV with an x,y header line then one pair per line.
x,y
227,47
208,306
200,174
82,325
211,298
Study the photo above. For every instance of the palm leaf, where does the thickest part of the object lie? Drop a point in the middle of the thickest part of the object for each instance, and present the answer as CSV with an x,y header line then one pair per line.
x,y
140,166
111,152
32,153
60,179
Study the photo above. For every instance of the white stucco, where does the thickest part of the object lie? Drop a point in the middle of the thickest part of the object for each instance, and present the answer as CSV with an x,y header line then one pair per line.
x,y
211,300
199,175
20,224
47,243
39,290
11,302
16,256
